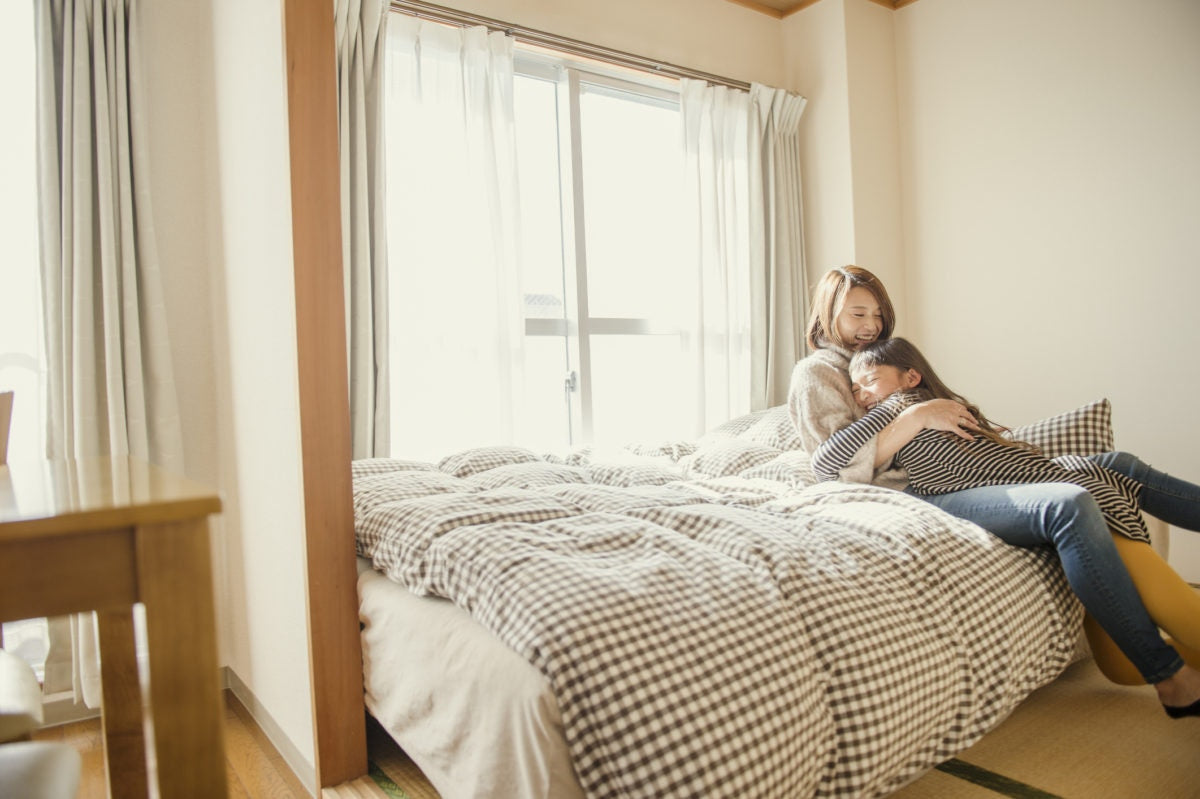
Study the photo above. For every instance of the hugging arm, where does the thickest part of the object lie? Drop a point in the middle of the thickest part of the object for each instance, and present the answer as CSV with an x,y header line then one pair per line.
x,y
839,449
821,403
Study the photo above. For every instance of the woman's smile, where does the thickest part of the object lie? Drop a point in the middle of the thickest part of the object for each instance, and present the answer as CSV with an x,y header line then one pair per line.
x,y
860,321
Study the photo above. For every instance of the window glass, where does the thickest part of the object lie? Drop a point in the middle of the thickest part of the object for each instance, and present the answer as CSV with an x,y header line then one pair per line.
x,y
633,200
536,122
638,388
543,424
593,352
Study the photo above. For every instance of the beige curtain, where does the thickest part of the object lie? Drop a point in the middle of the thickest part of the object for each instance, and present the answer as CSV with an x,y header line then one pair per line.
x,y
111,390
360,29
779,293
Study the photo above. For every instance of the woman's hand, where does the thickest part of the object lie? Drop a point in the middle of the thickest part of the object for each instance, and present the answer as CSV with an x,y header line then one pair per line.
x,y
944,414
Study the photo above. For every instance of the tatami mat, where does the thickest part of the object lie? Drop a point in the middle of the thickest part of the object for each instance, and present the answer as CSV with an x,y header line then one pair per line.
x,y
1081,737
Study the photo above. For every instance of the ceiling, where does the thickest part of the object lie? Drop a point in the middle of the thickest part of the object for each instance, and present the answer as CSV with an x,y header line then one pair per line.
x,y
782,8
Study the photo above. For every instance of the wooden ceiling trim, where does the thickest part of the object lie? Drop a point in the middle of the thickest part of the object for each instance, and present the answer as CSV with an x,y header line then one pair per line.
x,y
800,6
762,9
780,9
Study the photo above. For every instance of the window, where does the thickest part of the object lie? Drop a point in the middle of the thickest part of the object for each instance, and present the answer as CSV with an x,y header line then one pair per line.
x,y
595,337
600,171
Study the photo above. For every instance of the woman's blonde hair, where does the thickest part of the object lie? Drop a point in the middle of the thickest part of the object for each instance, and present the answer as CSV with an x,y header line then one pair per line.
x,y
904,355
829,297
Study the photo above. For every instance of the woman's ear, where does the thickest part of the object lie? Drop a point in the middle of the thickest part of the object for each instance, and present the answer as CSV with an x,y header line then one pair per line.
x,y
911,378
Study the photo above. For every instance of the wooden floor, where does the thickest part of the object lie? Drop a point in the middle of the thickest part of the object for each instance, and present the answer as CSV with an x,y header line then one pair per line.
x,y
1080,737
252,765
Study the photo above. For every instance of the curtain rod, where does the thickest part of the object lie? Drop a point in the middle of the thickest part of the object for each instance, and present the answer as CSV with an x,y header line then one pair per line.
x,y
572,46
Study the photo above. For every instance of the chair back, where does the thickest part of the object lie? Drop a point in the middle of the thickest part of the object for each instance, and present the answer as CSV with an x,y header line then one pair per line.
x,y
5,421
6,402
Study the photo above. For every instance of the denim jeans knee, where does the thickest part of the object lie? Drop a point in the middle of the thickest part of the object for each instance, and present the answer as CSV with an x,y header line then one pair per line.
x,y
1165,497
1067,517
1124,463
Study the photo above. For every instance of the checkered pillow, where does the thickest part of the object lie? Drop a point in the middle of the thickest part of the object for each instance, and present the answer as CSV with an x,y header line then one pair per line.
x,y
774,428
1087,430
649,473
722,458
734,427
527,475
771,427
480,459
365,467
793,467
674,450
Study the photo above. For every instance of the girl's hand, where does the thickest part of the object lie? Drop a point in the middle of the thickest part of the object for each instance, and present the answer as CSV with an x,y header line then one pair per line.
x,y
948,415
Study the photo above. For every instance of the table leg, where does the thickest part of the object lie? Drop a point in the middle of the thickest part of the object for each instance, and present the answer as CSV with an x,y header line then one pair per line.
x,y
175,583
121,712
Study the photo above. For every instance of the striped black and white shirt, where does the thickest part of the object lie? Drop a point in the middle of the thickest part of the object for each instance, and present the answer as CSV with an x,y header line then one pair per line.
x,y
939,462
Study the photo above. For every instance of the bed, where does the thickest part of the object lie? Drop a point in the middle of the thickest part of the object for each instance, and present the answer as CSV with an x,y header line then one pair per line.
x,y
692,619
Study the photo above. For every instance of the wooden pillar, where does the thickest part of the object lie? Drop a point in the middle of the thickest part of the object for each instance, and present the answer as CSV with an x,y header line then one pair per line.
x,y
334,647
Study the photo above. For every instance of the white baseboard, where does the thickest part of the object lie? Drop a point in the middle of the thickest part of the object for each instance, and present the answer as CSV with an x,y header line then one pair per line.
x,y
299,765
59,709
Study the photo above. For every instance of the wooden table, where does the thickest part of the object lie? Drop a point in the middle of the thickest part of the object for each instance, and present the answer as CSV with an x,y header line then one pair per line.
x,y
103,534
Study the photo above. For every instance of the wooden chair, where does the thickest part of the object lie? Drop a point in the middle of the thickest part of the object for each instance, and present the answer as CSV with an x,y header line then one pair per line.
x,y
6,403
30,769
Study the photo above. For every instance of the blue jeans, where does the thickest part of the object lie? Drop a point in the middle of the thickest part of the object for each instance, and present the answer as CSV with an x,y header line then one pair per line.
x,y
1066,517
1164,497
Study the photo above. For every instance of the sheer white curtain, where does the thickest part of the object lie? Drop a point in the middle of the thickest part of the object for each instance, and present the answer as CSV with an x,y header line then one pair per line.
x,y
111,389
360,27
716,133
456,321
779,288
743,168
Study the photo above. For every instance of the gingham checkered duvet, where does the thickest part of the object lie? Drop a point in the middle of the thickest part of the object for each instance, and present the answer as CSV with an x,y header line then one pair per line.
x,y
728,635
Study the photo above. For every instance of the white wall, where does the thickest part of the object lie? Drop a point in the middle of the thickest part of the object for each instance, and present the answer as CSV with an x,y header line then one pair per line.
x,y
222,204
840,55
255,326
875,151
1051,186
815,58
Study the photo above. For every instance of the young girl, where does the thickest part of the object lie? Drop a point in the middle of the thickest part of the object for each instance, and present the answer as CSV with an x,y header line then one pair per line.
x,y
892,375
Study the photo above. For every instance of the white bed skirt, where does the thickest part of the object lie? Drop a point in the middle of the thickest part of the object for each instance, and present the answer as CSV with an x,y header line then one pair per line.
x,y
476,718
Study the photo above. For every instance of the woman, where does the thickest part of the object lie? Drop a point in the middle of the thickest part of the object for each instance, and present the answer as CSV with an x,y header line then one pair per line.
x,y
851,308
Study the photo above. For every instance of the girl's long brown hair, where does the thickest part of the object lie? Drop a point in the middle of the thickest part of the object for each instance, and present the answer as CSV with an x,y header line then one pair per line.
x,y
904,355
830,295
